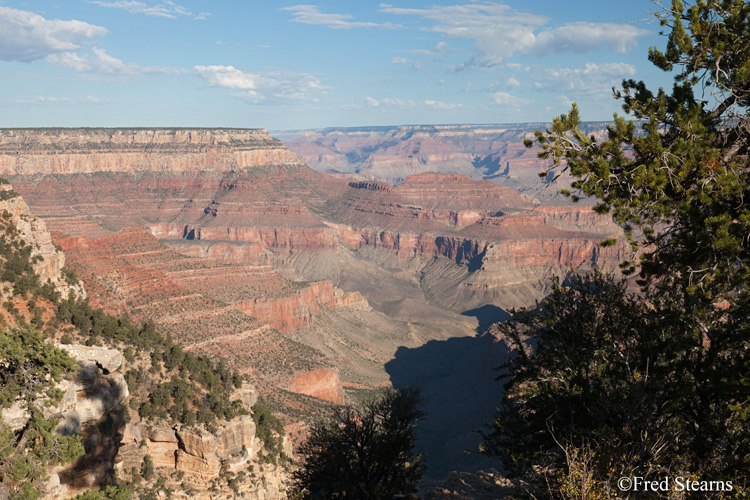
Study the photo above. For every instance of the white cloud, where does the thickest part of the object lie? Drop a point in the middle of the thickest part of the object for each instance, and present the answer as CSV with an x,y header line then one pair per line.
x,y
373,103
441,105
310,14
165,9
506,99
590,79
512,82
499,32
502,97
103,64
26,37
583,37
273,86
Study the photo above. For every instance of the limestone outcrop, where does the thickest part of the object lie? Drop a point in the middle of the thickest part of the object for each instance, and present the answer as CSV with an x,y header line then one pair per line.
x,y
198,456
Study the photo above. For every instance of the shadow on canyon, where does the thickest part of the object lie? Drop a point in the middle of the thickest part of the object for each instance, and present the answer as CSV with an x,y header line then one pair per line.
x,y
487,315
457,377
101,440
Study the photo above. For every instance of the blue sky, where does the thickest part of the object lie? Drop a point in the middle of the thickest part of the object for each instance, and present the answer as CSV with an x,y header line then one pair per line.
x,y
284,65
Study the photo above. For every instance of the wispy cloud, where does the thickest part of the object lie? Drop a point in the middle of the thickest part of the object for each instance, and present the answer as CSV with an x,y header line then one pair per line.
x,y
310,14
434,53
103,64
499,31
415,65
26,37
264,87
391,102
46,100
166,9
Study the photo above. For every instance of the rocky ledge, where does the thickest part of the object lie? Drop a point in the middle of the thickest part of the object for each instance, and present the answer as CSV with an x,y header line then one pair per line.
x,y
67,151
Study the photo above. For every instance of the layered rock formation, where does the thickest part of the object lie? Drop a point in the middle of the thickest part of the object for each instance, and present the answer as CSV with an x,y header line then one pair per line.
x,y
305,281
64,151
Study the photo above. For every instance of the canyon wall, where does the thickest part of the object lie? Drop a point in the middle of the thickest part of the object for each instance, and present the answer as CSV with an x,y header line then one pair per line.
x,y
236,248
65,151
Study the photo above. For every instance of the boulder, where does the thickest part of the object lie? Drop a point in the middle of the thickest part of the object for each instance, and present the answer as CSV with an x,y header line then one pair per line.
x,y
108,360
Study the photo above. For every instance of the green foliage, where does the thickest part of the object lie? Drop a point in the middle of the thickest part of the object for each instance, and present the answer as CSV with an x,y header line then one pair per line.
x,y
364,453
594,367
658,384
28,368
29,365
269,429
683,178
110,493
202,383
147,468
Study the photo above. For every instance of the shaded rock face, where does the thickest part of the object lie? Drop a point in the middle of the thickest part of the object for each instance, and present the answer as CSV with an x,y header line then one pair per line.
x,y
89,396
480,485
96,390
322,384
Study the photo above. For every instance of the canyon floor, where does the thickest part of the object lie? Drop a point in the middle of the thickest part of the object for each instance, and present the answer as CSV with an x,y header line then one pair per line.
x,y
322,287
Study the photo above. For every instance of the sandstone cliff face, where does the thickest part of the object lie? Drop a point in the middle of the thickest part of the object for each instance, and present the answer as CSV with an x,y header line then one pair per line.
x,y
95,391
231,216
92,393
322,384
47,260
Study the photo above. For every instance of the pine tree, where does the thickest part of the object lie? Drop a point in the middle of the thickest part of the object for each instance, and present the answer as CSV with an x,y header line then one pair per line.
x,y
678,180
364,453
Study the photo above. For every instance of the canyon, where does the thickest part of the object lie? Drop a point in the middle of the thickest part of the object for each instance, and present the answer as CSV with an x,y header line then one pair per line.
x,y
317,286
390,154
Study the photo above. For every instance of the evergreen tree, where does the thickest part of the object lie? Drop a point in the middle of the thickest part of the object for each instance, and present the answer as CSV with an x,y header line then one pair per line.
x,y
29,367
678,181
364,453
